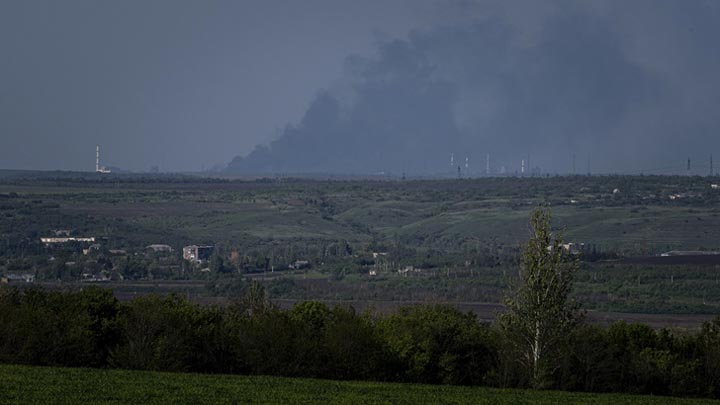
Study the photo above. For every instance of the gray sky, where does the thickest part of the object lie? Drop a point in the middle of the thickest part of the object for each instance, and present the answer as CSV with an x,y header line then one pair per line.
x,y
359,86
179,84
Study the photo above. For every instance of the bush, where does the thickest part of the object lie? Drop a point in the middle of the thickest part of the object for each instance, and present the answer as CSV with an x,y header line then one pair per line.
x,y
439,344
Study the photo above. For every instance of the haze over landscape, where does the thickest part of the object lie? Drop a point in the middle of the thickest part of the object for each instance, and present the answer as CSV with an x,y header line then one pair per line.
x,y
359,201
393,87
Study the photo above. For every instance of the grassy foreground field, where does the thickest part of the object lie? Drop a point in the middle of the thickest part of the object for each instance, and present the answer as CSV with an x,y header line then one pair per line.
x,y
23,384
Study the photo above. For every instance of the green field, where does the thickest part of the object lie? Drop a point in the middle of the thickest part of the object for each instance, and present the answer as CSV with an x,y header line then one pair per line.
x,y
23,385
440,214
462,236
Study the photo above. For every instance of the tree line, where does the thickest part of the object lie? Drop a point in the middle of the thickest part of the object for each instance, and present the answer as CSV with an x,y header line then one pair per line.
x,y
433,344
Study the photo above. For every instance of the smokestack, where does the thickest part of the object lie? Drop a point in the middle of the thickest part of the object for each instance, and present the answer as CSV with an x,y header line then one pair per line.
x,y
98,168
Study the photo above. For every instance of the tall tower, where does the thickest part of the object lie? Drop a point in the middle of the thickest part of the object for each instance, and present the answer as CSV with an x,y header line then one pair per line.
x,y
487,164
522,167
452,159
98,168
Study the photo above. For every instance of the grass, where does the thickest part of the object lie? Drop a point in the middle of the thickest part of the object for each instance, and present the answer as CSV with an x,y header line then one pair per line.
x,y
24,384
430,224
432,214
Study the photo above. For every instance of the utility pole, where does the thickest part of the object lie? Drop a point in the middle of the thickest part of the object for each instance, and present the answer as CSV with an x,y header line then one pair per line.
x,y
588,165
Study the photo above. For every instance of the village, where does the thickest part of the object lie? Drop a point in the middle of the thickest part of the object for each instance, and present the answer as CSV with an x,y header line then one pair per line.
x,y
87,259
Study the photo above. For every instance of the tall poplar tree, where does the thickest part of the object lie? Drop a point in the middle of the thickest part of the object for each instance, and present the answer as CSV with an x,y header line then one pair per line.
x,y
539,311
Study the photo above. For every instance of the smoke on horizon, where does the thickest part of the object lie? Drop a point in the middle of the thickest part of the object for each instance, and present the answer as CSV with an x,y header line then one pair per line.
x,y
618,87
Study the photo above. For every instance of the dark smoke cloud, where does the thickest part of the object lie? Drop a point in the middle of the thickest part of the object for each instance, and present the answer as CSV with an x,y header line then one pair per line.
x,y
627,86
400,115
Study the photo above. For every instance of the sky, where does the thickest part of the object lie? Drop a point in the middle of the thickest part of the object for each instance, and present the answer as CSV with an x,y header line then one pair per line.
x,y
178,84
388,86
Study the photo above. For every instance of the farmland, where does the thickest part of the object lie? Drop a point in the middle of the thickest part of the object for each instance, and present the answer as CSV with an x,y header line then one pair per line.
x,y
23,384
420,213
460,238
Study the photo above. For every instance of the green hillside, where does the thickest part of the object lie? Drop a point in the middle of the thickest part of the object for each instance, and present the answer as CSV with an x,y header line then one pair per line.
x,y
133,212
461,237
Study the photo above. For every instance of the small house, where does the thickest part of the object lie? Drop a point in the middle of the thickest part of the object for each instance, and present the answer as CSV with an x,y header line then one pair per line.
x,y
160,248
20,277
299,264
197,253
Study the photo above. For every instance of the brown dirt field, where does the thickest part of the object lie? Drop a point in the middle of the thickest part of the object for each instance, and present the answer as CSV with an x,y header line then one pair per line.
x,y
487,312
693,260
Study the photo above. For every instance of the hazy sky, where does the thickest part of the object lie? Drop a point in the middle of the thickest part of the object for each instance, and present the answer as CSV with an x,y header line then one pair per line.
x,y
175,83
628,85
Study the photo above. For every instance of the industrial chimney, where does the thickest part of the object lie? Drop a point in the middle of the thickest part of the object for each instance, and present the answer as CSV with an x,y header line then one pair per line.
x,y
98,168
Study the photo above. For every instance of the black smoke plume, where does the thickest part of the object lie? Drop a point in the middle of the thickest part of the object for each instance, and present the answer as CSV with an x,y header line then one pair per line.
x,y
628,86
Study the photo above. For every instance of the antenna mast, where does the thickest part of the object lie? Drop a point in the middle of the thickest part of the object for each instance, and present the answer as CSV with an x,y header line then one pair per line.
x,y
98,168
